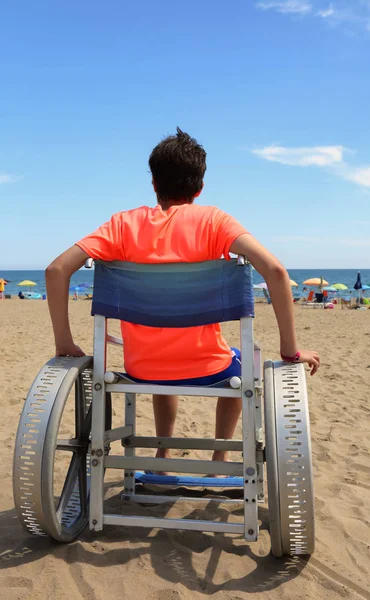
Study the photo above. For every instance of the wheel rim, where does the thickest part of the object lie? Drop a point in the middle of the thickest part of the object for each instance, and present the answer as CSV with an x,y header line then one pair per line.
x,y
294,459
289,462
39,444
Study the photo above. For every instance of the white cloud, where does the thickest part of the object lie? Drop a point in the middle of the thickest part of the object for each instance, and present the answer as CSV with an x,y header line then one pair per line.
x,y
300,7
328,12
329,157
5,178
319,156
355,243
351,15
360,175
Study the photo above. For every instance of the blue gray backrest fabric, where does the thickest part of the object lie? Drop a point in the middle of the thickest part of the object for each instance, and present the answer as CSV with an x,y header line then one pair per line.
x,y
173,294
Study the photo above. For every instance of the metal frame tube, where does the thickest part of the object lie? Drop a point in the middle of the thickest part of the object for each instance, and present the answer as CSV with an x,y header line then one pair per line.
x,y
119,433
249,431
176,465
154,499
185,524
112,339
168,390
130,421
259,432
97,424
179,443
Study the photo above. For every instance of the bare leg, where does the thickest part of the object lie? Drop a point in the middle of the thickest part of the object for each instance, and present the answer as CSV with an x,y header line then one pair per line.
x,y
227,415
165,411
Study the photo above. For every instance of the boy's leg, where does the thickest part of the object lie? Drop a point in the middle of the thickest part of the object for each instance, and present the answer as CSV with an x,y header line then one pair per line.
x,y
227,416
165,411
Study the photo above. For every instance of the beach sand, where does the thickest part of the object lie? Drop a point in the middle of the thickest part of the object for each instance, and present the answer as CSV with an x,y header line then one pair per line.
x,y
173,565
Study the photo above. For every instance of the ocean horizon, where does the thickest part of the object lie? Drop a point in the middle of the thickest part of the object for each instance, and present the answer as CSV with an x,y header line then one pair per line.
x,y
85,276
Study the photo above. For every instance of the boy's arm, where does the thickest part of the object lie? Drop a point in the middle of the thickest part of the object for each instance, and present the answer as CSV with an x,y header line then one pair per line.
x,y
278,284
57,276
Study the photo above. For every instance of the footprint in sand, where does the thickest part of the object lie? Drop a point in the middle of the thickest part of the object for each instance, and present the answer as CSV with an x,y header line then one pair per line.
x,y
168,595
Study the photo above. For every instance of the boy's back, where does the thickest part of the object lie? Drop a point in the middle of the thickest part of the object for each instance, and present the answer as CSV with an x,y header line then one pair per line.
x,y
176,231
182,233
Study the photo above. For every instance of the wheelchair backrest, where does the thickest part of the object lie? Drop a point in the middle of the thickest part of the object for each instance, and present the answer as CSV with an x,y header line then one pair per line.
x,y
173,294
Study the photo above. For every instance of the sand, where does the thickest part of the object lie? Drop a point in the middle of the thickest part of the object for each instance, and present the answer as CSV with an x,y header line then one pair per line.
x,y
172,565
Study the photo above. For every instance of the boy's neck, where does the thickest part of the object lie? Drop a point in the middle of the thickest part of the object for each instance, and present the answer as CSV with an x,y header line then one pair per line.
x,y
166,204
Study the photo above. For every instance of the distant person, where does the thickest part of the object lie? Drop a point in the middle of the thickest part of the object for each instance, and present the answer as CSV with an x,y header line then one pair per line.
x,y
176,230
2,288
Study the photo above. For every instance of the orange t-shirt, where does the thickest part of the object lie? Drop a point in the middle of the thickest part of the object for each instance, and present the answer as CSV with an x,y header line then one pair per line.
x,y
183,233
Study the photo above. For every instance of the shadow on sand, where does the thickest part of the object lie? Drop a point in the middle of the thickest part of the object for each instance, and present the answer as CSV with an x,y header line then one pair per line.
x,y
173,554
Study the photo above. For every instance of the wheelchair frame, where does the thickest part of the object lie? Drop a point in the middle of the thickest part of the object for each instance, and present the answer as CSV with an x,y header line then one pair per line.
x,y
287,452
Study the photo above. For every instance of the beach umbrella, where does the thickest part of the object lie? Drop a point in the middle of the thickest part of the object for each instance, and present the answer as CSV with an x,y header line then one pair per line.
x,y
329,288
339,286
85,286
365,287
358,285
293,283
319,281
26,283
260,286
76,289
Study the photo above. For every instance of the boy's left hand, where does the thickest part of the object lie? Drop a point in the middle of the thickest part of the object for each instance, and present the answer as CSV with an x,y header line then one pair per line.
x,y
70,349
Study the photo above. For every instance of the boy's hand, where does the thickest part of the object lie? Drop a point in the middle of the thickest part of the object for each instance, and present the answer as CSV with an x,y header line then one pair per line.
x,y
57,277
312,358
69,349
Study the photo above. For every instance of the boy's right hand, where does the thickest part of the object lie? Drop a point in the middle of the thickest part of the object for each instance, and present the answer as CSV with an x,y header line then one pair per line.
x,y
68,349
312,358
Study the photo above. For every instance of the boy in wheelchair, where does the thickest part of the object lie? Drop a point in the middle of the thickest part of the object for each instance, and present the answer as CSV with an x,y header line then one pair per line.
x,y
176,230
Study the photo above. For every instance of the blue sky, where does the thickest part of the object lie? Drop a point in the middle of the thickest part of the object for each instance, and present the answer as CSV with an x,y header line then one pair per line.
x,y
278,92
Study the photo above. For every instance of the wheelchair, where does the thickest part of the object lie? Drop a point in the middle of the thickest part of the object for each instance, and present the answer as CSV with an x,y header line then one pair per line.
x,y
275,418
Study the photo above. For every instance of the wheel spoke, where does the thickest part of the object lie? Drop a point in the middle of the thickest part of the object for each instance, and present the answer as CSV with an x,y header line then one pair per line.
x,y
86,427
83,416
69,484
82,480
79,407
70,445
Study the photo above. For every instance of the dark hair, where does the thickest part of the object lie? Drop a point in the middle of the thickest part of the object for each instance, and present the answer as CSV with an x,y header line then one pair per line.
x,y
178,164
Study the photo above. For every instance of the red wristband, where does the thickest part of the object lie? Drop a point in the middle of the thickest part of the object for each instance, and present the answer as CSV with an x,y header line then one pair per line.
x,y
291,359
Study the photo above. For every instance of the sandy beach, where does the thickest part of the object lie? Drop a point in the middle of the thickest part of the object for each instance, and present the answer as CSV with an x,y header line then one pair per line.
x,y
173,565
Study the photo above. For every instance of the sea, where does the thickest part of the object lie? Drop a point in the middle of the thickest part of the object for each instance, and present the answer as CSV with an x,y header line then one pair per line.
x,y
85,277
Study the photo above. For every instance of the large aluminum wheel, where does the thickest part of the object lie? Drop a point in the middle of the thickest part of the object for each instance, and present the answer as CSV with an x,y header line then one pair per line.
x,y
51,471
288,459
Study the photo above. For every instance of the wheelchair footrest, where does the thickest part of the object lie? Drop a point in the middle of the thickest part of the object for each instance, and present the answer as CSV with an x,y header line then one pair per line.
x,y
186,481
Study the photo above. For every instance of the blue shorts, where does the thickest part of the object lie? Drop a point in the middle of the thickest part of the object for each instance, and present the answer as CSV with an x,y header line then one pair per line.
x,y
234,369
